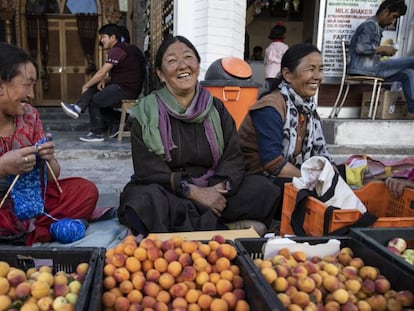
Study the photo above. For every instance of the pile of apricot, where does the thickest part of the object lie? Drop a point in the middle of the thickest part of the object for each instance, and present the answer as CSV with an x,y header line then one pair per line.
x,y
172,274
337,282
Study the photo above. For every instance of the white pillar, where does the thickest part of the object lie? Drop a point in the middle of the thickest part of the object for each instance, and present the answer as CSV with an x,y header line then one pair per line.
x,y
215,27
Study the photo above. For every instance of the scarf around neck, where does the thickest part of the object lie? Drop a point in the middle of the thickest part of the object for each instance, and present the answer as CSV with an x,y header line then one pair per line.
x,y
155,110
314,141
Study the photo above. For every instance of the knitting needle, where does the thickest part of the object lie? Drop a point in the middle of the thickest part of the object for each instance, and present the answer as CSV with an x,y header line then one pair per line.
x,y
8,191
54,176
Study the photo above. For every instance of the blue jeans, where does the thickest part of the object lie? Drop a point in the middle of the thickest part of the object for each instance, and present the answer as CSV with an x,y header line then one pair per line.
x,y
402,70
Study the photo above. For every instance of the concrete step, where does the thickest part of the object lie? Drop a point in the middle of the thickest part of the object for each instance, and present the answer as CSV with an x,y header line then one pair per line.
x,y
54,119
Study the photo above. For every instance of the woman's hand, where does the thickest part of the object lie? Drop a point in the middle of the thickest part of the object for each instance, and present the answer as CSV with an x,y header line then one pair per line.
x,y
396,185
46,151
209,196
18,161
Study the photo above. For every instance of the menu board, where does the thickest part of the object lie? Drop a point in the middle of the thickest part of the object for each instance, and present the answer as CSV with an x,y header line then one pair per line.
x,y
342,17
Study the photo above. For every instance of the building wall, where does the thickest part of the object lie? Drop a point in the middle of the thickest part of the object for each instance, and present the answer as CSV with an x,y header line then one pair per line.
x,y
215,27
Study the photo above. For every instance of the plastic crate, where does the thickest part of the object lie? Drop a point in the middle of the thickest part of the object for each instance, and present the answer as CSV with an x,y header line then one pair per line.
x,y
256,296
391,212
60,259
400,279
378,238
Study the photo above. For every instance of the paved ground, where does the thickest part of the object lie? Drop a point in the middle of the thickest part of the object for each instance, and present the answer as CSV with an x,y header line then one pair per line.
x,y
107,163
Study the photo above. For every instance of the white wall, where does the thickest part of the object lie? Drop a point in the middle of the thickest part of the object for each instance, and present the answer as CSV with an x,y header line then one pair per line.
x,y
215,27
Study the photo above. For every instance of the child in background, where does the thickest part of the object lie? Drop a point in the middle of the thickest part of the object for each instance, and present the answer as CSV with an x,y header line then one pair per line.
x,y
274,53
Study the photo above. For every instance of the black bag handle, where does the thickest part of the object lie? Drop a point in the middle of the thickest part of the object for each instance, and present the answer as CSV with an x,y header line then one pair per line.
x,y
298,215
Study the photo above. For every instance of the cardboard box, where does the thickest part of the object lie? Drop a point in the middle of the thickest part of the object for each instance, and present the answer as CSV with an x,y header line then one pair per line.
x,y
391,105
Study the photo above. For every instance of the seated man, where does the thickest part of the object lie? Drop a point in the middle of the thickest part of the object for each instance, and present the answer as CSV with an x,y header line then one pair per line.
x,y
118,79
365,51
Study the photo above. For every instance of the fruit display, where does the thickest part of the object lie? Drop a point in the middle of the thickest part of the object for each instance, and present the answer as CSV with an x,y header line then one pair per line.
x,y
335,282
398,246
173,274
40,288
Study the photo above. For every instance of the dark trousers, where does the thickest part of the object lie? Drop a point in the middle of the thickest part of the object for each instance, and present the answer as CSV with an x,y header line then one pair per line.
x,y
101,106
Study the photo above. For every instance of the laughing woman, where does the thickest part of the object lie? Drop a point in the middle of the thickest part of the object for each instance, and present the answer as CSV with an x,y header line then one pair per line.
x,y
188,167
284,125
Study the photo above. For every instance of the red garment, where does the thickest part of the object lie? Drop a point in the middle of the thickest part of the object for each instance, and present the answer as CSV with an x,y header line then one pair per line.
x,y
77,200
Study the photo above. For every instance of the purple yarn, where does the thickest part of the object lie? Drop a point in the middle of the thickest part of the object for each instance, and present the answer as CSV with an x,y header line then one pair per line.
x,y
68,230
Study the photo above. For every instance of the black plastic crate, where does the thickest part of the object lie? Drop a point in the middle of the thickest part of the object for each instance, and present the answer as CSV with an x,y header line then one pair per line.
x,y
378,238
256,295
60,259
400,279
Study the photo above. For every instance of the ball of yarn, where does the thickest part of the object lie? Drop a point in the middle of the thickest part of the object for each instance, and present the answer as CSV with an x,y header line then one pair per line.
x,y
68,230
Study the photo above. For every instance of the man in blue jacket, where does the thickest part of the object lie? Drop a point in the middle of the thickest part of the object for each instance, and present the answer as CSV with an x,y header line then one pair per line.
x,y
365,51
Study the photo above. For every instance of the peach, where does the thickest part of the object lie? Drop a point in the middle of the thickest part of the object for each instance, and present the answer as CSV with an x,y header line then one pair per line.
x,y
213,244
212,257
15,277
368,286
305,284
214,277
382,285
163,296
160,306
242,305
178,240
189,273
363,305
152,275
148,302
166,280
299,271
189,246
368,272
300,298
184,259
146,265
153,253
62,278
135,296
40,289
280,260
140,253
237,281
192,295
170,255
357,262
353,285
132,264
393,304
109,282
151,289
299,256
209,289
147,243
350,272
121,303
284,299
285,252
204,250
178,290
340,295
330,283
405,298
4,268
4,286
118,260
45,303
218,304
344,258
377,302
218,238
227,275
174,268
222,263
280,284
282,271
331,268
201,278
332,306
349,306
200,264
126,287
138,281
23,290
108,299
269,274
223,286
230,298
317,278
60,289
240,293
121,274
204,301
167,245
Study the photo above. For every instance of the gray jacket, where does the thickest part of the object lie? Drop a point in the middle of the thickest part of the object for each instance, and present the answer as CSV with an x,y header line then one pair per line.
x,y
362,58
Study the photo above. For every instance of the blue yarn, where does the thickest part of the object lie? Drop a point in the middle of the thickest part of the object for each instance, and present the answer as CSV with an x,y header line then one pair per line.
x,y
68,230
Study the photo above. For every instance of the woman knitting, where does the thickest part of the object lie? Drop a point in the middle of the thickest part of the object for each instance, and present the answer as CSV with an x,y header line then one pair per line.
x,y
27,158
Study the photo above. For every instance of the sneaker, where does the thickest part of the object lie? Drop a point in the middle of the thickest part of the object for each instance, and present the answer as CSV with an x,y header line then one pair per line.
x,y
92,137
71,110
114,131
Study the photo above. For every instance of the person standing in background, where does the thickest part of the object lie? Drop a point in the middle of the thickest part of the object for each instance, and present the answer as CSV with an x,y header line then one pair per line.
x,y
274,53
257,54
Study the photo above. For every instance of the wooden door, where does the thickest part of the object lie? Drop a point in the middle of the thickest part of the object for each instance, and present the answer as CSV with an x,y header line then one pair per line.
x,y
66,63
